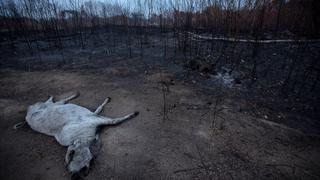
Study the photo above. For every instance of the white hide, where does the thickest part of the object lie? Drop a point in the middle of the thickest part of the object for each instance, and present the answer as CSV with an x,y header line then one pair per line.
x,y
71,125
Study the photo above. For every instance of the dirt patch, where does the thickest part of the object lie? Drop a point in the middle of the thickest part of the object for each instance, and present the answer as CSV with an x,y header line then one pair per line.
x,y
201,138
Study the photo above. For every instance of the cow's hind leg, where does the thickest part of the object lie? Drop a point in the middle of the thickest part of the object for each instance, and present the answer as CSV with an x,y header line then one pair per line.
x,y
99,109
73,96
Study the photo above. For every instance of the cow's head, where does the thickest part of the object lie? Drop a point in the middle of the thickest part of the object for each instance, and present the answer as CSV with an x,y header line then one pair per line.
x,y
78,158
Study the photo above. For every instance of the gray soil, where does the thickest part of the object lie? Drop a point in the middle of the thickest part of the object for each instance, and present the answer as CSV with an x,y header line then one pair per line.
x,y
181,132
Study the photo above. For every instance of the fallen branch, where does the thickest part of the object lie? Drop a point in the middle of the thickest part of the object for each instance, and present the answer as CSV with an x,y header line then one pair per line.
x,y
186,170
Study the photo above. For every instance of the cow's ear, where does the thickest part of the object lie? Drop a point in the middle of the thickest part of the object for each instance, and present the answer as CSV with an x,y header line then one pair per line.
x,y
69,155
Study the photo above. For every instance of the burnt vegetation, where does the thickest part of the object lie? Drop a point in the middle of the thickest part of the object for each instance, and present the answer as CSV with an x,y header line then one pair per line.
x,y
269,44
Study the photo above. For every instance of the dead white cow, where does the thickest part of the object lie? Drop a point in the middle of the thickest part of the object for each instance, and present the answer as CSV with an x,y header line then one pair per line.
x,y
72,125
